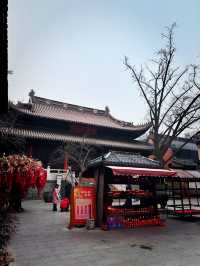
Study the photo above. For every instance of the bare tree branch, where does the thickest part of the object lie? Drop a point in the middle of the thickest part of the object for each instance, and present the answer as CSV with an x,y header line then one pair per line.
x,y
171,94
138,79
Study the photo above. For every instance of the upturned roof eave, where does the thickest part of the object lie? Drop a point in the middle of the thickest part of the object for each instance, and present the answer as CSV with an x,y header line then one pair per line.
x,y
36,134
142,128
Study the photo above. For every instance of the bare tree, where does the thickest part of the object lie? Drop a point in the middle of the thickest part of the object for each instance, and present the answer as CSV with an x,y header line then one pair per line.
x,y
78,154
172,94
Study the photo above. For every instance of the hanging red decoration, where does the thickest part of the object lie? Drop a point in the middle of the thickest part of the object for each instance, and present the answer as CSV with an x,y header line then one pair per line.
x,y
22,171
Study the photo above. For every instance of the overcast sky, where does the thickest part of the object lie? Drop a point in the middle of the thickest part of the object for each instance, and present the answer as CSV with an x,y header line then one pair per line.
x,y
72,51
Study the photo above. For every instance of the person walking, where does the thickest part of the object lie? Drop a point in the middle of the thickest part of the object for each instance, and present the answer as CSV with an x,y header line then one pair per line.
x,y
55,197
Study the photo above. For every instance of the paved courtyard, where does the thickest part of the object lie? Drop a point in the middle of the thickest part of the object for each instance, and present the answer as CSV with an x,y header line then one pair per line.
x,y
43,239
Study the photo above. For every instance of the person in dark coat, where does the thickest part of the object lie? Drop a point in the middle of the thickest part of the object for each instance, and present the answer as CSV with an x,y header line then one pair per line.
x,y
128,202
67,189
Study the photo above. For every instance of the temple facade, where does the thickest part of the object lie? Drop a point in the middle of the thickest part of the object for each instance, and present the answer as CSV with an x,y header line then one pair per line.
x,y
46,124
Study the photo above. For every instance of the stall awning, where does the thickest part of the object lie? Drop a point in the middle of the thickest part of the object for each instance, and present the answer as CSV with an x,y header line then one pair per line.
x,y
187,173
131,171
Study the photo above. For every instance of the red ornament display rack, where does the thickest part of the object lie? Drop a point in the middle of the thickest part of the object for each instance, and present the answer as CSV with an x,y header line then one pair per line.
x,y
134,207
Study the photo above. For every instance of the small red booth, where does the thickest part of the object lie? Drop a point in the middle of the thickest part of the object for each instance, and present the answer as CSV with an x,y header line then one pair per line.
x,y
126,192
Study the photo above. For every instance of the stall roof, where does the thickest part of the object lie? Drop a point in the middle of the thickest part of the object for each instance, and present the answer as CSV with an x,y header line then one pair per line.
x,y
128,159
187,173
130,171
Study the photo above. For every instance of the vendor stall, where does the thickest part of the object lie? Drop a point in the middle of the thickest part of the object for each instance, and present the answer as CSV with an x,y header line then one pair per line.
x,y
184,194
131,190
126,195
130,197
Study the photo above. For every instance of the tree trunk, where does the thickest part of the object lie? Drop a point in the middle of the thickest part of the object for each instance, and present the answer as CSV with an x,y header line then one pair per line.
x,y
157,152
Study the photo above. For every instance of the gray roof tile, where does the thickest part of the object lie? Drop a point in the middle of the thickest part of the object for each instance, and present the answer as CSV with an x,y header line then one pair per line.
x,y
125,159
42,107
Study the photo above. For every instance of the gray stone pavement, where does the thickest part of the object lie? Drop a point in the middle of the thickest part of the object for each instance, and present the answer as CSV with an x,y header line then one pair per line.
x,y
42,239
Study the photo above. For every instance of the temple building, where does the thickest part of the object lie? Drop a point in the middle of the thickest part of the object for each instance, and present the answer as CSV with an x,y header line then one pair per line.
x,y
187,157
47,124
184,153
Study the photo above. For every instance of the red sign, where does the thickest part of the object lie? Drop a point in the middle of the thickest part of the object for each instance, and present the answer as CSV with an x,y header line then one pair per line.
x,y
83,205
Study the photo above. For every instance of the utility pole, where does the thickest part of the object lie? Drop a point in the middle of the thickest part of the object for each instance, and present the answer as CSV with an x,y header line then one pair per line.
x,y
3,56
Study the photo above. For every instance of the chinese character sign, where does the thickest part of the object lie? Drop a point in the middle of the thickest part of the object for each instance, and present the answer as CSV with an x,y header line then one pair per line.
x,y
83,209
83,205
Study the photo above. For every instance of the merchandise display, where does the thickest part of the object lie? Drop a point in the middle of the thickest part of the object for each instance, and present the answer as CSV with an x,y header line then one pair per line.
x,y
133,207
183,196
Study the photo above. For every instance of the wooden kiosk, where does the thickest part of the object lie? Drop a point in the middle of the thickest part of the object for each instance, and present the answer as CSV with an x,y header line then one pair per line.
x,y
126,196
130,188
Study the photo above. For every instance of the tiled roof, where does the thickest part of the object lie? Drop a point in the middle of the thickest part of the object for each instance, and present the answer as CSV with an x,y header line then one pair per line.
x,y
176,144
179,162
46,108
125,159
37,134
187,173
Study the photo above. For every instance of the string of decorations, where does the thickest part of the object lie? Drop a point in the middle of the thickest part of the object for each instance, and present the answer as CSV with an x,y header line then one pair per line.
x,y
22,171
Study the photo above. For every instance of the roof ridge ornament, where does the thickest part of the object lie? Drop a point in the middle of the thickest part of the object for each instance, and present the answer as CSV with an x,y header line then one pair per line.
x,y
107,110
31,95
105,156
